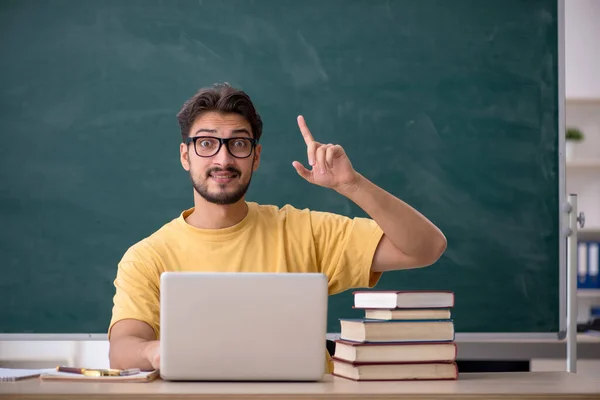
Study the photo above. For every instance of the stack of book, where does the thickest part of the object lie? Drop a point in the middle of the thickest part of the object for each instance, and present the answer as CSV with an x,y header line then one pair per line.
x,y
405,335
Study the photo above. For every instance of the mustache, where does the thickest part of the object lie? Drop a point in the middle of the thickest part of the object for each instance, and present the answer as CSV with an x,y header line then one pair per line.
x,y
228,169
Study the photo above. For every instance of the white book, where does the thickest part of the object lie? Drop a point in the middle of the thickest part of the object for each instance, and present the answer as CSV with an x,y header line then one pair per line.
x,y
403,299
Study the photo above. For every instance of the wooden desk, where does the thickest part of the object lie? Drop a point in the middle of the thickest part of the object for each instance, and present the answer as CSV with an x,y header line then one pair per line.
x,y
537,385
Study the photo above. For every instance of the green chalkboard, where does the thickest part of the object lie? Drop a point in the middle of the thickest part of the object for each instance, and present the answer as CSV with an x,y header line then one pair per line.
x,y
450,105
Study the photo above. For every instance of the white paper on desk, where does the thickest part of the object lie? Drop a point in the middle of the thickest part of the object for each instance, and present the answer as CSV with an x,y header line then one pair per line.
x,y
12,374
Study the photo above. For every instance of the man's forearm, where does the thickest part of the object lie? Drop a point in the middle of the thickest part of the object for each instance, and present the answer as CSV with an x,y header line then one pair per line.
x,y
132,352
405,227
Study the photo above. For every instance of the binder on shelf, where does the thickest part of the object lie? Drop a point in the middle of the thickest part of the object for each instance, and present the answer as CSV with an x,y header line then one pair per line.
x,y
581,263
588,265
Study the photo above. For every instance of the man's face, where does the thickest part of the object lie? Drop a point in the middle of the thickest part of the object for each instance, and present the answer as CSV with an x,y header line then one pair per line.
x,y
221,178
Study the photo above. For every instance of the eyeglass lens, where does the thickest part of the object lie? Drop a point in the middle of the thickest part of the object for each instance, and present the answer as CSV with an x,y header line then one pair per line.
x,y
238,147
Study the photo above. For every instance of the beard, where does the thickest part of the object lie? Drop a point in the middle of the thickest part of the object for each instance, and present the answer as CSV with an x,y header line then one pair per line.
x,y
222,197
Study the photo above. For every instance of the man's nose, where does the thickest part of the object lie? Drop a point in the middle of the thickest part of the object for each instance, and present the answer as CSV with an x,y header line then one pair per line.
x,y
223,156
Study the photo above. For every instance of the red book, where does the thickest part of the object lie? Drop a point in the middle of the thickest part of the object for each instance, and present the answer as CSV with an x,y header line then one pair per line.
x,y
395,371
407,313
378,330
395,352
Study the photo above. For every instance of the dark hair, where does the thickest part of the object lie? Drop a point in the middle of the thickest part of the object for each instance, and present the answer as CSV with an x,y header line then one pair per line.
x,y
219,98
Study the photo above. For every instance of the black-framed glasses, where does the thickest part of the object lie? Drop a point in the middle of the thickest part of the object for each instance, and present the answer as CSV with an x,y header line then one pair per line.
x,y
208,146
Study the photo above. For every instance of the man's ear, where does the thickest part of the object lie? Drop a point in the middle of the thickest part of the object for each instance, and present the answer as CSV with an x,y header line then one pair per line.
x,y
184,156
257,151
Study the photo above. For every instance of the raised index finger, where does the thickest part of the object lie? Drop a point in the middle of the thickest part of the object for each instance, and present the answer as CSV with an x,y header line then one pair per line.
x,y
308,139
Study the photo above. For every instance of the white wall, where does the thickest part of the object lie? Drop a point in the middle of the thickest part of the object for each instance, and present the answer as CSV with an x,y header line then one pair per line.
x,y
583,175
48,354
582,48
581,81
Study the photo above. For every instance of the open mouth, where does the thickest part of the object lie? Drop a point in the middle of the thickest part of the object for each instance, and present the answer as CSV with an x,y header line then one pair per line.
x,y
223,176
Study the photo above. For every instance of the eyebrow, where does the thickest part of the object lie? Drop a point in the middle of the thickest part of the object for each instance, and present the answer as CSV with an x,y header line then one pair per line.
x,y
240,130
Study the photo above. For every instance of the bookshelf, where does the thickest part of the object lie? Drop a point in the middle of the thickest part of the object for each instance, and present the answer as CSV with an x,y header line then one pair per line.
x,y
588,294
583,164
583,178
583,100
589,234
588,297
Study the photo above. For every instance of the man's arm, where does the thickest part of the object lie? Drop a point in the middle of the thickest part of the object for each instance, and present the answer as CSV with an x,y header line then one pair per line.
x,y
410,240
133,344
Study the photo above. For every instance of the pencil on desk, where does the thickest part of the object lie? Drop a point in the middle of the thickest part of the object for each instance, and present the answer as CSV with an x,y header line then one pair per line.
x,y
71,370
98,372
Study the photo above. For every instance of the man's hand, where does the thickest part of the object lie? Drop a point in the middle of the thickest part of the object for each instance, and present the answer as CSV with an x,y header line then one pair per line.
x,y
410,240
153,354
331,167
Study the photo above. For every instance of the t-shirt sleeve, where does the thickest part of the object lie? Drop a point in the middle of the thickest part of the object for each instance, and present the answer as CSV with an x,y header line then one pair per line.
x,y
344,250
137,293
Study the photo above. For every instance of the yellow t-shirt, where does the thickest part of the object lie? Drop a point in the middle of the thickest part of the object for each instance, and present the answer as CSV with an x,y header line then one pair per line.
x,y
268,239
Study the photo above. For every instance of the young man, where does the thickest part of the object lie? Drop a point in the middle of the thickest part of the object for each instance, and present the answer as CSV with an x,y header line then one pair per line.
x,y
220,129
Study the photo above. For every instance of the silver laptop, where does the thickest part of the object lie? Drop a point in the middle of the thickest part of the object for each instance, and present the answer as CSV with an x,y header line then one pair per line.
x,y
243,326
